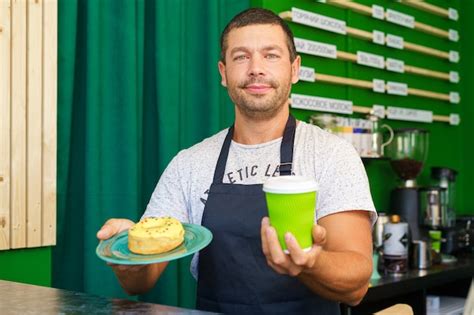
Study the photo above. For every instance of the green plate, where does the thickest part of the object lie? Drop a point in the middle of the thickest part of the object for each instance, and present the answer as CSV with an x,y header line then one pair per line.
x,y
115,250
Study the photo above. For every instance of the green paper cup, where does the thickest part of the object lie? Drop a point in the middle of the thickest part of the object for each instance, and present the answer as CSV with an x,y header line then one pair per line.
x,y
291,202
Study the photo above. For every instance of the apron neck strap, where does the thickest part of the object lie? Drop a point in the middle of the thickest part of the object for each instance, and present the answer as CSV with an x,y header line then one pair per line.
x,y
286,151
286,147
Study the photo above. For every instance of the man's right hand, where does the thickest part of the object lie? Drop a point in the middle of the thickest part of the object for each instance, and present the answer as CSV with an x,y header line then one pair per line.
x,y
113,227
134,279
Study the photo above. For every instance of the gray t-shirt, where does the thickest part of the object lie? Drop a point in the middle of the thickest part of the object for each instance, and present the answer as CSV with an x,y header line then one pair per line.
x,y
333,162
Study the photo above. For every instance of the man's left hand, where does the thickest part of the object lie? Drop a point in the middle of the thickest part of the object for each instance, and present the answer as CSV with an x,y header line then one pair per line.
x,y
297,260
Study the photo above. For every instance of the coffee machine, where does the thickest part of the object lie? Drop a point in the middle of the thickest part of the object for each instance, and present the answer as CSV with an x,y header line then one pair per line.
x,y
437,207
445,178
407,153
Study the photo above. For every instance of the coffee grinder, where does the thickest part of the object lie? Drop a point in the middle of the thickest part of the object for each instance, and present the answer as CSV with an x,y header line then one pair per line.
x,y
407,153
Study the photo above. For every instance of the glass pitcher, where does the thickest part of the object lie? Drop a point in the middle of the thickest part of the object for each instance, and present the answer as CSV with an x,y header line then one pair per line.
x,y
378,146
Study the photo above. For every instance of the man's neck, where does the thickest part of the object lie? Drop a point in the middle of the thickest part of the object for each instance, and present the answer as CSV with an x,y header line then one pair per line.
x,y
251,131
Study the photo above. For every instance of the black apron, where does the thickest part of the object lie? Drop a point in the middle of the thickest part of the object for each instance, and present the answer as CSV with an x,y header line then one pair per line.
x,y
233,274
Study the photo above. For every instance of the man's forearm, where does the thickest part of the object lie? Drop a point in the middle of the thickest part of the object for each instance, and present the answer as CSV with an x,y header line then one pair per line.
x,y
139,280
340,276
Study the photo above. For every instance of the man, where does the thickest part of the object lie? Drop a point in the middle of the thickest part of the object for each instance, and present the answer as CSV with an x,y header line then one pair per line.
x,y
218,183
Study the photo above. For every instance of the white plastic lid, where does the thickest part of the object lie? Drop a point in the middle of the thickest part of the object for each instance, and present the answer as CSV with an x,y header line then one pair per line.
x,y
290,185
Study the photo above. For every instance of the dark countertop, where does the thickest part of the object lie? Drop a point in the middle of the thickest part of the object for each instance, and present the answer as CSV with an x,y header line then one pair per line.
x,y
413,280
18,298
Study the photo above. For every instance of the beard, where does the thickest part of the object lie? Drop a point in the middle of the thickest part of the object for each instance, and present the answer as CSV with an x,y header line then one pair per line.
x,y
260,106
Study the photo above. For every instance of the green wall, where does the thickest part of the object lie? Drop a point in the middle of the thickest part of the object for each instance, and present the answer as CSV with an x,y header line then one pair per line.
x,y
467,109
28,265
448,144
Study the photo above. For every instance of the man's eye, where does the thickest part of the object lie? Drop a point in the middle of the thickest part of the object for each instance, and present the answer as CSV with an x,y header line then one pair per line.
x,y
240,58
272,56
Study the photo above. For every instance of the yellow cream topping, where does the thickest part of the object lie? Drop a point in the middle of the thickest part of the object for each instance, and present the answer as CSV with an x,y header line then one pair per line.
x,y
154,227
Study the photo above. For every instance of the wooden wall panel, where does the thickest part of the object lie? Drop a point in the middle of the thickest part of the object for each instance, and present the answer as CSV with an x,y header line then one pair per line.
x,y
34,122
28,115
5,20
50,69
18,125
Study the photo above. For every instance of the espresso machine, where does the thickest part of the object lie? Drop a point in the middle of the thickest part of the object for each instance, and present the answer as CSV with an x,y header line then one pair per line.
x,y
437,207
408,152
445,178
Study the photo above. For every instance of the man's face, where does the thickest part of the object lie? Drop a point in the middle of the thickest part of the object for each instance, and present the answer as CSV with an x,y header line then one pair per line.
x,y
258,72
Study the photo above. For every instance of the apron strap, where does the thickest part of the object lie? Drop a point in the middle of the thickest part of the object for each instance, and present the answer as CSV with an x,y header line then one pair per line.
x,y
286,151
286,148
222,161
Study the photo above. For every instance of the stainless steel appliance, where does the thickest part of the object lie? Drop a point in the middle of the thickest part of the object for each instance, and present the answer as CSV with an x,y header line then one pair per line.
x,y
433,207
437,209
445,178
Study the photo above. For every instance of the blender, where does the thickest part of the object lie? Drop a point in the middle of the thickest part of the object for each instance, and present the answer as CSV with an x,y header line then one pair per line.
x,y
407,152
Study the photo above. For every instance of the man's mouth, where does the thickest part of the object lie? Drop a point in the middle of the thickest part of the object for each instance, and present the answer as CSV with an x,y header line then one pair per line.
x,y
257,88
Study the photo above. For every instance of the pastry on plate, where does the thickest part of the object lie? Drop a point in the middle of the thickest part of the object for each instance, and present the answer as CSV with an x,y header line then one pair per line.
x,y
155,235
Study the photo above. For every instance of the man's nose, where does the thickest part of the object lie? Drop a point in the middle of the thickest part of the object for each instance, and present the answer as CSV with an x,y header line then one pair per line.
x,y
256,66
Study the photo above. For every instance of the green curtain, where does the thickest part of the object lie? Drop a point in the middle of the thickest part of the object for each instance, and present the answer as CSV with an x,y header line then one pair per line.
x,y
138,81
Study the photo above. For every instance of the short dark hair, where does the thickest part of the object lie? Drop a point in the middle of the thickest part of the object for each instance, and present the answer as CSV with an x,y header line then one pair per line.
x,y
255,16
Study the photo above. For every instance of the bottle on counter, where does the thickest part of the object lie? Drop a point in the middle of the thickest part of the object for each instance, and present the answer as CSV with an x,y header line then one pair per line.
x,y
395,246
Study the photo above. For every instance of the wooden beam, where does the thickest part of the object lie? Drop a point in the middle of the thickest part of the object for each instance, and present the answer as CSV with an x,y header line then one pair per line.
x,y
366,110
369,85
34,122
427,7
365,35
50,69
18,124
366,10
5,103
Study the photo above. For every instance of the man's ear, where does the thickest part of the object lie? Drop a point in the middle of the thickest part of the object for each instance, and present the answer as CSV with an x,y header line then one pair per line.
x,y
221,67
295,70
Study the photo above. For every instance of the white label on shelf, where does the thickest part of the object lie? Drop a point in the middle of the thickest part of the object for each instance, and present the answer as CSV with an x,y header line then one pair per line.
x,y
454,97
400,18
399,113
394,41
397,88
453,56
323,104
395,65
378,37
454,119
453,14
453,35
306,74
378,12
319,21
453,76
379,111
378,86
315,48
371,60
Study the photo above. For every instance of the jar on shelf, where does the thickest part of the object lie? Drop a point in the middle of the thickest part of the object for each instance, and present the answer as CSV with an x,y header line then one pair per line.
x,y
327,122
